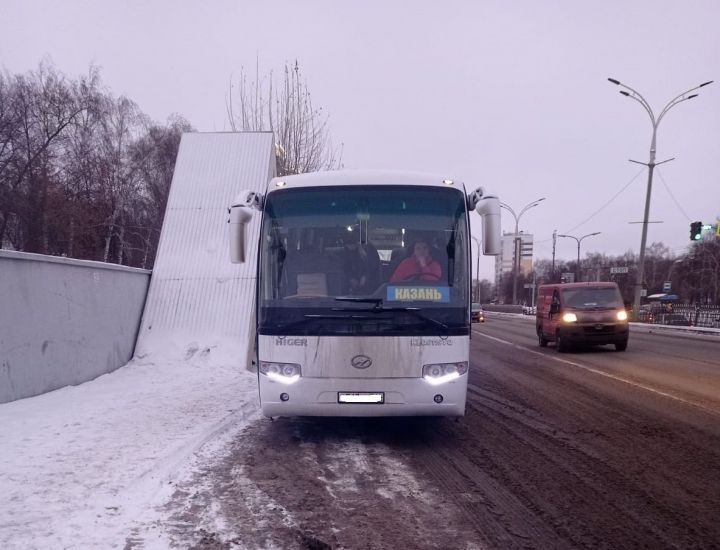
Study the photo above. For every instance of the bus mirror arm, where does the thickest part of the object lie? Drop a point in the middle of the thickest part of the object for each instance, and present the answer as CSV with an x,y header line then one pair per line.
x,y
489,209
248,199
240,215
475,197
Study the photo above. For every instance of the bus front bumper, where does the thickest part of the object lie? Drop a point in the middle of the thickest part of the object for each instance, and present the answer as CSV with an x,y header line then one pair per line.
x,y
338,396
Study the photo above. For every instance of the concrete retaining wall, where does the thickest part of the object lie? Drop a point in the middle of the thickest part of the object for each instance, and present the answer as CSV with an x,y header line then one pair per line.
x,y
63,321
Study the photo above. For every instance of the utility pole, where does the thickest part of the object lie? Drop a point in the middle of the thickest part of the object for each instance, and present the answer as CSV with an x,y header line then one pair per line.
x,y
579,240
552,272
633,94
516,240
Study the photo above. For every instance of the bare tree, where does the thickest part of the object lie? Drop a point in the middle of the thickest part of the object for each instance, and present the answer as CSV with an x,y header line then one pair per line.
x,y
122,123
301,131
82,173
153,156
9,137
36,111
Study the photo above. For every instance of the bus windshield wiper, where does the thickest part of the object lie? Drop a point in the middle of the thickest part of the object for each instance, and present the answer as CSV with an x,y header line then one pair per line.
x,y
417,313
414,311
307,320
379,308
360,299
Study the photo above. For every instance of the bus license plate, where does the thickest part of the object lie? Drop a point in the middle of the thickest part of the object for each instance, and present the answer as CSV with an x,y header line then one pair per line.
x,y
361,397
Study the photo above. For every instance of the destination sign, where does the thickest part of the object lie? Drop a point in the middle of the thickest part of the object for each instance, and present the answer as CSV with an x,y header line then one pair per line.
x,y
418,293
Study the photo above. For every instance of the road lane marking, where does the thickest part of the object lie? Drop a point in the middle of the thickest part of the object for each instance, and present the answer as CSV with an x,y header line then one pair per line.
x,y
601,373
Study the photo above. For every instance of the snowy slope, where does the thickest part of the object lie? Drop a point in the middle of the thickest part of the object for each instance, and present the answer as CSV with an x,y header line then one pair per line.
x,y
81,465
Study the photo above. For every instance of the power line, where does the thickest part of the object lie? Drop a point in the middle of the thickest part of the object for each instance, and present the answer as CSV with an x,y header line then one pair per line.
x,y
671,195
606,204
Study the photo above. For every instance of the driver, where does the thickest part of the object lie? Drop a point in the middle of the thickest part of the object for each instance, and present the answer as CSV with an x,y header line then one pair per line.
x,y
420,266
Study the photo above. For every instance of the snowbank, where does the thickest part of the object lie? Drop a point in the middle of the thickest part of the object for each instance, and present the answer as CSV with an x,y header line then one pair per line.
x,y
79,465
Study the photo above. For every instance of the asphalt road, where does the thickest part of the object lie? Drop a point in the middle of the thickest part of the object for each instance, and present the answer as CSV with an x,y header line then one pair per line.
x,y
593,449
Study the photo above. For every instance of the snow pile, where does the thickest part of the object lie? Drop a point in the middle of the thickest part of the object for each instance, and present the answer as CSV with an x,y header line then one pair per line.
x,y
78,466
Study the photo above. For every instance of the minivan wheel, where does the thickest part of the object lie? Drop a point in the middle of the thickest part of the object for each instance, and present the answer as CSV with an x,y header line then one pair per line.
x,y
621,346
542,340
560,343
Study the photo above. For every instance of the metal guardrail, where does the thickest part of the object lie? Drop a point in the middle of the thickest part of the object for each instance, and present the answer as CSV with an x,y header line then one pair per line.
x,y
648,326
698,316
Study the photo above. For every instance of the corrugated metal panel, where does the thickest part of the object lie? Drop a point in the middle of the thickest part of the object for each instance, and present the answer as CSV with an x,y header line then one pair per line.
x,y
195,290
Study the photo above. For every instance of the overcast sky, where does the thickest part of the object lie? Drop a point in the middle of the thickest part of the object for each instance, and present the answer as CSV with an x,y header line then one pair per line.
x,y
512,96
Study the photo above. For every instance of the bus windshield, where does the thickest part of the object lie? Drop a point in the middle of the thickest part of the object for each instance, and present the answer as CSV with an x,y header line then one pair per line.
x,y
348,260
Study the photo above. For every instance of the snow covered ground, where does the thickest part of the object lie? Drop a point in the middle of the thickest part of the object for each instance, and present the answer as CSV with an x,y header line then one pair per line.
x,y
83,466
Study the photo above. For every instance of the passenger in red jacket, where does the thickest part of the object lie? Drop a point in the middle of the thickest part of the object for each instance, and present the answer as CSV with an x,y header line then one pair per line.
x,y
418,267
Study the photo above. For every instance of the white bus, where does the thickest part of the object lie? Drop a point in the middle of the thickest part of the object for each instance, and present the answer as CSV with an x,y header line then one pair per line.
x,y
363,291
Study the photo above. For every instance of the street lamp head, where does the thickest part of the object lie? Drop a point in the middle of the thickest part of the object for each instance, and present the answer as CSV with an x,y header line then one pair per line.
x,y
623,92
706,83
691,96
616,82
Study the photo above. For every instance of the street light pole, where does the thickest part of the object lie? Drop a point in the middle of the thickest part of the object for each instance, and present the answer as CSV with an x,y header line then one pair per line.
x,y
516,245
477,268
633,94
579,240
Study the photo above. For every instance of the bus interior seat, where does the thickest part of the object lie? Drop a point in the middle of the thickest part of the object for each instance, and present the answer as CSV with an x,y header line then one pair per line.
x,y
311,284
312,274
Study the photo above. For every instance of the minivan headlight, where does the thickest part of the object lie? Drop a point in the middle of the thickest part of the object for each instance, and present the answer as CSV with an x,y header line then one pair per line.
x,y
622,315
569,318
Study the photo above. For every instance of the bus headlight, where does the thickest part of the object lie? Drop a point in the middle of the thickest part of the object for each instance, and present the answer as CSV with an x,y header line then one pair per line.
x,y
569,318
285,373
439,373
622,315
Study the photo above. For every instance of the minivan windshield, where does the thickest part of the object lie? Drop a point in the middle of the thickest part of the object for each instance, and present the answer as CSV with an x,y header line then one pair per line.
x,y
592,298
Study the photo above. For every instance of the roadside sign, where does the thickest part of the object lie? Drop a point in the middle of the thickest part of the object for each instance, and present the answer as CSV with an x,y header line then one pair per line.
x,y
623,269
643,292
667,286
568,278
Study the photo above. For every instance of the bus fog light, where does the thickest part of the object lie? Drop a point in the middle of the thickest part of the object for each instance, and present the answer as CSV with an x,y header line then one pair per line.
x,y
285,373
284,397
439,373
438,398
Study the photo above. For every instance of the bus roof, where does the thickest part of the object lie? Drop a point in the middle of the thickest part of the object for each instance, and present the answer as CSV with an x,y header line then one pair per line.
x,y
364,177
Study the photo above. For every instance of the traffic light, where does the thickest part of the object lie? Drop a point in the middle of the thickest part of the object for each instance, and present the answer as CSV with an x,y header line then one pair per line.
x,y
696,231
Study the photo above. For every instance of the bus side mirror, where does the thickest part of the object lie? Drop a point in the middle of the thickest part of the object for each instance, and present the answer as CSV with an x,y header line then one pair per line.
x,y
240,215
489,209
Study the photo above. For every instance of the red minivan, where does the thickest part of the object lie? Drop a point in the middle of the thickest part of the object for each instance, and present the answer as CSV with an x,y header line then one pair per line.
x,y
581,313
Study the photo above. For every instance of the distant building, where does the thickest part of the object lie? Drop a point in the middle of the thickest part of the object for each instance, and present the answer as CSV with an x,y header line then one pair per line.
x,y
504,261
